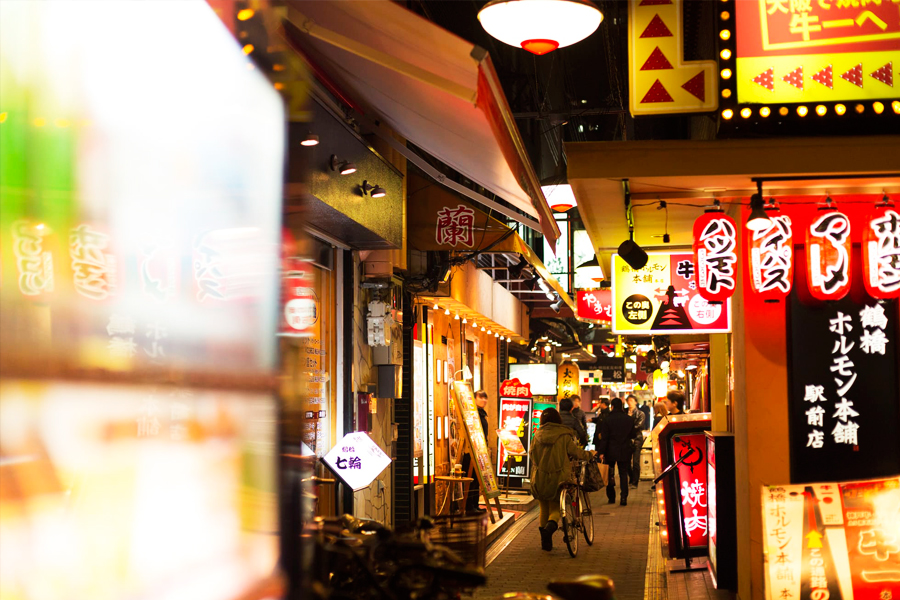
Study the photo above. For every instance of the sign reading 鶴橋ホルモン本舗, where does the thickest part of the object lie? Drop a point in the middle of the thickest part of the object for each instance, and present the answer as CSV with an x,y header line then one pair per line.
x,y
818,51
662,297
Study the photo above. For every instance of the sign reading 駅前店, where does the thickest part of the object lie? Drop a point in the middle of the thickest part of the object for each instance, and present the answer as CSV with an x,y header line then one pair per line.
x,y
843,390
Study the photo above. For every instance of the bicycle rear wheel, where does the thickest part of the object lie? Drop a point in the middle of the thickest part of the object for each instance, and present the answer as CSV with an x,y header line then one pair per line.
x,y
569,507
587,517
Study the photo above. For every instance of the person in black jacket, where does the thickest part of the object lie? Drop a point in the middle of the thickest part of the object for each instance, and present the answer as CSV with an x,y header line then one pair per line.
x,y
602,413
472,508
617,431
569,419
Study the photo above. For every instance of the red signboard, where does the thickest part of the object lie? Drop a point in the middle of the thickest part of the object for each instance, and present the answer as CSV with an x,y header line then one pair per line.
x,y
881,253
595,305
771,257
692,487
299,303
872,538
715,255
513,388
828,248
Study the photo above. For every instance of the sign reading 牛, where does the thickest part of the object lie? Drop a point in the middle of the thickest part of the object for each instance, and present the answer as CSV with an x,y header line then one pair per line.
x,y
715,255
843,390
357,460
832,540
815,51
595,305
771,252
663,297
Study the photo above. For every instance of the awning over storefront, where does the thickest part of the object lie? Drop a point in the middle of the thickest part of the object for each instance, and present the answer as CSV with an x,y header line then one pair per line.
x,y
431,87
437,219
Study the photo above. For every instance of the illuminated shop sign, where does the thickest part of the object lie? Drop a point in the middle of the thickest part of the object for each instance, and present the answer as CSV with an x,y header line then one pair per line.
x,y
881,253
771,257
569,380
815,51
663,297
514,433
828,249
595,305
832,540
715,256
357,460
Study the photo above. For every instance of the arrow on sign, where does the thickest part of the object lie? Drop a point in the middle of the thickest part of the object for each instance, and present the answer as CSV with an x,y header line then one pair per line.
x,y
813,539
871,16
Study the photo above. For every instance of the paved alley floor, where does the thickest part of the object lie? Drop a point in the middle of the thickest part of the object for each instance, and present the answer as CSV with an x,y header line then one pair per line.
x,y
621,535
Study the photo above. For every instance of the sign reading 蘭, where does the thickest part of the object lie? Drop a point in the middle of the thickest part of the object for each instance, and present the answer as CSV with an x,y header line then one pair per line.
x,y
832,540
817,51
843,390
595,305
357,460
663,297
514,435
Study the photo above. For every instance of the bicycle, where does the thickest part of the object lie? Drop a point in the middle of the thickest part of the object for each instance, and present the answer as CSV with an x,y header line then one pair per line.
x,y
575,510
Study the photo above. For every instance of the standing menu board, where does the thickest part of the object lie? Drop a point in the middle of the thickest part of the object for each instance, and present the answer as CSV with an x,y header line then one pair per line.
x,y
464,399
832,540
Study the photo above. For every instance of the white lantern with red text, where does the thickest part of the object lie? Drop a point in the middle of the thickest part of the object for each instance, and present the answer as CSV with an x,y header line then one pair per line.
x,y
881,253
770,252
715,255
828,248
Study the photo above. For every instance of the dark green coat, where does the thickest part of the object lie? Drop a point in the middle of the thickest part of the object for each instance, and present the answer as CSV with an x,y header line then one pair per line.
x,y
553,445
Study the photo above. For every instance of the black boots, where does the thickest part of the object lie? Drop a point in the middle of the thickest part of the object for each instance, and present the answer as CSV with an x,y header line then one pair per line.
x,y
547,535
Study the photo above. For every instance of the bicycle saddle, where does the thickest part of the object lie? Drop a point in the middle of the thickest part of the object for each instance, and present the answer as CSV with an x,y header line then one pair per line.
x,y
586,587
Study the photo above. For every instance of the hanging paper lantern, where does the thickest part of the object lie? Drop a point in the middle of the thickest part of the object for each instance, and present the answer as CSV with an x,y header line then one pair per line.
x,y
660,384
828,247
881,253
715,255
770,252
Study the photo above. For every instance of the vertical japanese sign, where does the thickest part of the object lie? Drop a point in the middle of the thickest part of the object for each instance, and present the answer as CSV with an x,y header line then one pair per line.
x,y
569,380
468,412
843,390
663,298
691,482
595,305
419,400
881,253
715,255
538,409
514,435
832,540
816,50
771,257
828,250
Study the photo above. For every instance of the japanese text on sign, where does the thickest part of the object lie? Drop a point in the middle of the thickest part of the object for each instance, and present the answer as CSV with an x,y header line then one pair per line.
x,y
455,226
772,256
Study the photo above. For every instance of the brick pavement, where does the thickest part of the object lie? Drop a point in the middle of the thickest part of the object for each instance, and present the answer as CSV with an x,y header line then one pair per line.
x,y
619,551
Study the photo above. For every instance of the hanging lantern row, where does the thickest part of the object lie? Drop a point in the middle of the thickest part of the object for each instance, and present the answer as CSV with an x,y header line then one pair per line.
x,y
770,243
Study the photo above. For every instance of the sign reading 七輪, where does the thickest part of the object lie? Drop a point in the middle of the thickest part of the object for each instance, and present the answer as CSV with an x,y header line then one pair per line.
x,y
816,51
357,460
663,298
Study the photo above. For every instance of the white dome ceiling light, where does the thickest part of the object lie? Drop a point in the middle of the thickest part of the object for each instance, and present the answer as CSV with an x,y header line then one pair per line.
x,y
560,197
540,26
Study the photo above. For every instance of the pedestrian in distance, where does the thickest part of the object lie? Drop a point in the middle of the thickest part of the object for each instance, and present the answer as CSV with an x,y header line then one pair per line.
x,y
553,446
601,414
674,402
569,419
645,408
617,433
576,410
637,415
472,508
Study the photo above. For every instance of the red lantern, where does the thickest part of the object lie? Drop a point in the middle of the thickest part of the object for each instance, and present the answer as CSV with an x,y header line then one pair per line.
x,y
881,253
770,253
715,254
828,247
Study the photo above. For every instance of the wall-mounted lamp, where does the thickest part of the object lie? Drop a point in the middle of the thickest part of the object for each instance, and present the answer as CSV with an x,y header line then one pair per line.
x,y
556,306
311,139
758,219
342,166
376,191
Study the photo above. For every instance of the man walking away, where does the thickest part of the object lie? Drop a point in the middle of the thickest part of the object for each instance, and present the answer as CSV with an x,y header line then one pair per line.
x,y
571,421
576,410
601,414
472,508
617,431
638,416
645,408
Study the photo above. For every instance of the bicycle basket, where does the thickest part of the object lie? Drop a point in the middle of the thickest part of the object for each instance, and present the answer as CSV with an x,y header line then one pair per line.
x,y
465,536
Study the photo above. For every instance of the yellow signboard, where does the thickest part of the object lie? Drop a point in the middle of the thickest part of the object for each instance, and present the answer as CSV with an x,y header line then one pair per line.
x,y
661,81
663,298
569,380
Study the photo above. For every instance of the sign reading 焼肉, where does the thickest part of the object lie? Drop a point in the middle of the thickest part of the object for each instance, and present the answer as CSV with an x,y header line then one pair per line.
x,y
691,483
816,51
832,540
843,390
663,297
